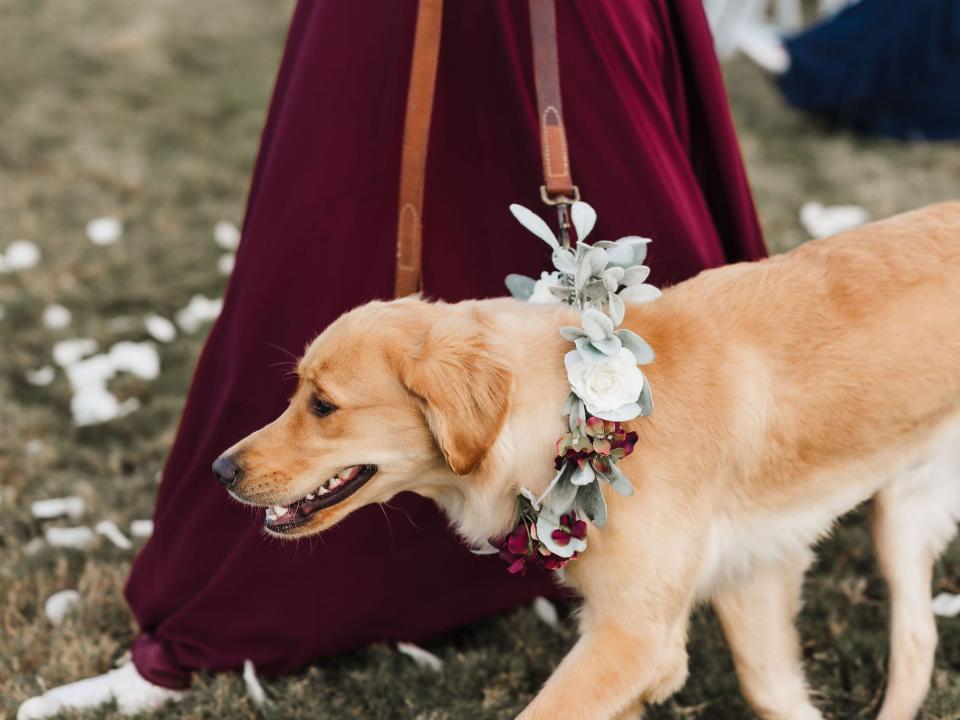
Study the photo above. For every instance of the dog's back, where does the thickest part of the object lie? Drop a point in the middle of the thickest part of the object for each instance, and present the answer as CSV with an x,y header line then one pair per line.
x,y
821,378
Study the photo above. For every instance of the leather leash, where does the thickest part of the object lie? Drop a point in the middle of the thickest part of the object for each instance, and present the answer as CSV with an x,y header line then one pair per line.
x,y
557,190
416,133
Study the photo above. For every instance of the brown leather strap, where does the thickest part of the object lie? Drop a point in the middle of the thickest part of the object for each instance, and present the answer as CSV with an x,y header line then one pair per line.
x,y
557,180
416,132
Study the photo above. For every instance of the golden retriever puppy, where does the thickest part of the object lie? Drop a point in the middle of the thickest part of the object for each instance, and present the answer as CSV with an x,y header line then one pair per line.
x,y
787,392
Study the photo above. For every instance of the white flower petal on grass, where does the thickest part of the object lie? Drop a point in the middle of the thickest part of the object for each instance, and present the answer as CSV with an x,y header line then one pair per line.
x,y
584,217
96,405
225,263
104,230
20,255
226,235
160,329
111,532
255,691
547,612
824,220
68,352
200,310
42,376
60,604
56,317
946,605
140,359
141,528
78,538
535,224
421,657
71,506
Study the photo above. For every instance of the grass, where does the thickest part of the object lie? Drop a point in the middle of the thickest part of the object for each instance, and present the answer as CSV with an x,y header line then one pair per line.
x,y
151,112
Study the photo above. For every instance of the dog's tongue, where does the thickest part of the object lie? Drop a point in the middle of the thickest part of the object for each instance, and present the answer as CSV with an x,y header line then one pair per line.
x,y
280,515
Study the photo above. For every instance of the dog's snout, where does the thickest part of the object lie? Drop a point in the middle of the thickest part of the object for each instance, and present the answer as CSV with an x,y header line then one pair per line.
x,y
227,470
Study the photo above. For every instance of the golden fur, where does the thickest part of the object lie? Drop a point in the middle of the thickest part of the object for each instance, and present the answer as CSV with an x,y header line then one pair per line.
x,y
786,392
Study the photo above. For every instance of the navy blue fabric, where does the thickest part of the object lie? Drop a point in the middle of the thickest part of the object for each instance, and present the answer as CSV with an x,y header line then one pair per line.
x,y
884,67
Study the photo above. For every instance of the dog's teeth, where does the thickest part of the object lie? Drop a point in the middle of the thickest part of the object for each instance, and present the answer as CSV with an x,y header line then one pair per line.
x,y
351,473
279,510
322,491
334,483
311,496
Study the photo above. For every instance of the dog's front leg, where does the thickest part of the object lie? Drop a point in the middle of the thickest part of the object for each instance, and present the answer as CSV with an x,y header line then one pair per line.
x,y
612,667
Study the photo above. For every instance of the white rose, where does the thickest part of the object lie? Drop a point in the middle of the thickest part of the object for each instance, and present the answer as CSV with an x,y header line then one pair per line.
x,y
541,288
606,385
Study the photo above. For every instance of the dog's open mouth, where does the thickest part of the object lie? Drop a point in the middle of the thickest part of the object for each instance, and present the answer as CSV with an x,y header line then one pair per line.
x,y
284,518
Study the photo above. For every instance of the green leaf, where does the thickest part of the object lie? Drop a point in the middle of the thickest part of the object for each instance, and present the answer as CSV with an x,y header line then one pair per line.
x,y
637,345
618,481
583,475
640,293
636,275
592,263
608,346
584,217
646,399
617,308
591,503
563,260
596,324
535,224
568,332
520,286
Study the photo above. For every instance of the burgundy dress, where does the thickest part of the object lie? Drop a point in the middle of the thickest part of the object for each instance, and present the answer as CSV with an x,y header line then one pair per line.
x,y
652,148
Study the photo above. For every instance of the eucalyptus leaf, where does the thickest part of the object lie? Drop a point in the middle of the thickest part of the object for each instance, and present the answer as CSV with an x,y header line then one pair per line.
x,y
640,293
618,481
588,353
639,246
596,324
528,494
608,346
564,261
591,502
520,286
584,217
578,417
563,294
553,483
592,263
563,495
622,413
646,399
583,475
636,275
568,404
637,345
612,277
568,332
535,224
617,308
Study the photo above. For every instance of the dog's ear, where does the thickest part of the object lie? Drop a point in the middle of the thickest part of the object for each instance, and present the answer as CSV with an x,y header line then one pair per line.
x,y
465,389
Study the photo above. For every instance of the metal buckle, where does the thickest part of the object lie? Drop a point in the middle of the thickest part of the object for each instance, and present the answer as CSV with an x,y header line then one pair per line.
x,y
559,199
562,203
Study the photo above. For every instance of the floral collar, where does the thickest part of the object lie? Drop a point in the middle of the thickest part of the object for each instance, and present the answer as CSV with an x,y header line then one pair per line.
x,y
607,388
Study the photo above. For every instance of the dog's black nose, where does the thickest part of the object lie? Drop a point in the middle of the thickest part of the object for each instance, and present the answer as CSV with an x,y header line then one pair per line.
x,y
226,470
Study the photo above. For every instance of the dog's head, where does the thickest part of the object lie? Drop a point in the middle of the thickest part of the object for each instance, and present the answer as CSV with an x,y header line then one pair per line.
x,y
391,397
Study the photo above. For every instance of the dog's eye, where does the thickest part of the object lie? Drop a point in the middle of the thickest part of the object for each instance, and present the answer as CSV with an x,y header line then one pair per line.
x,y
320,407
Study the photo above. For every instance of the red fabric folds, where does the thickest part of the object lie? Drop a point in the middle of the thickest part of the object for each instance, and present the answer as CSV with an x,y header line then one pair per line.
x,y
652,148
